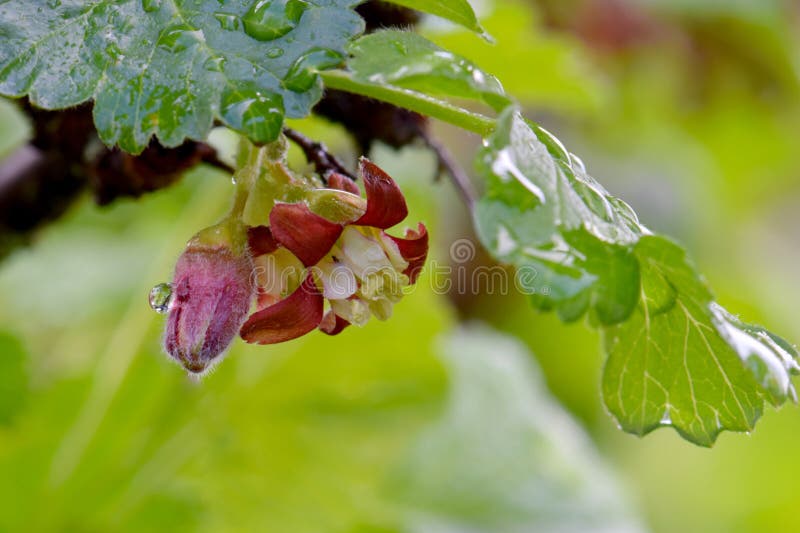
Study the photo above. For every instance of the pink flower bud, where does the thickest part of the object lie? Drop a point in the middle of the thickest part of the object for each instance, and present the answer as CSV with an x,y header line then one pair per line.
x,y
212,293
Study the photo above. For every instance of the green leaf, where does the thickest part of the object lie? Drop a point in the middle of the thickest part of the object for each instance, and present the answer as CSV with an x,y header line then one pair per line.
x,y
543,212
504,456
675,356
412,100
683,360
171,67
407,70
408,60
458,11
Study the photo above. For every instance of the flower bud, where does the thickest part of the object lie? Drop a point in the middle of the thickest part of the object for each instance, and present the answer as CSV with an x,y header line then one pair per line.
x,y
212,293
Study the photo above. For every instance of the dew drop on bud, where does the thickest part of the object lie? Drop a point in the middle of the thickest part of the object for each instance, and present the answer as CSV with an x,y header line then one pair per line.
x,y
160,297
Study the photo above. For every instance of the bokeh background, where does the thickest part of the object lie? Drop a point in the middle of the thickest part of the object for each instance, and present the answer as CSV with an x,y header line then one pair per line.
x,y
437,420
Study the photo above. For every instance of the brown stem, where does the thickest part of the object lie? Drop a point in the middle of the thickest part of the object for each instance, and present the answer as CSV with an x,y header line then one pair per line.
x,y
448,165
317,154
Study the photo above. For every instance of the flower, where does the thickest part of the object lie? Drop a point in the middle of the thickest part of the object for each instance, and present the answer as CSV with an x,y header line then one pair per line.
x,y
212,296
333,248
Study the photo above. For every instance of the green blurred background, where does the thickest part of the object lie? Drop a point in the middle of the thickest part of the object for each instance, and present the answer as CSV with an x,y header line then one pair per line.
x,y
689,110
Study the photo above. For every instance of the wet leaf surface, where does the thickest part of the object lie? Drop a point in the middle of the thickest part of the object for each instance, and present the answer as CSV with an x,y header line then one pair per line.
x,y
675,357
171,67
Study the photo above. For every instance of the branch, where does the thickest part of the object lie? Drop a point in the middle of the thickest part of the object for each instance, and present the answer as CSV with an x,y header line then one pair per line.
x,y
448,165
318,155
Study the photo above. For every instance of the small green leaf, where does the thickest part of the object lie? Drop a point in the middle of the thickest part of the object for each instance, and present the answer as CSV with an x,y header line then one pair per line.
x,y
675,357
408,60
170,68
458,11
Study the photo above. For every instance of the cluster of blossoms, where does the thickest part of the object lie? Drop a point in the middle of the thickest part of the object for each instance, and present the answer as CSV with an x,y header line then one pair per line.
x,y
303,271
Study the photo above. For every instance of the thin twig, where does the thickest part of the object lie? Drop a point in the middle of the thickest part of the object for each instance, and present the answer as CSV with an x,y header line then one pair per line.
x,y
448,165
317,154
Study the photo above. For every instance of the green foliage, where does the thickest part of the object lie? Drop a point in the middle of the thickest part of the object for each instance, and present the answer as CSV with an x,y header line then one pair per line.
x,y
458,11
675,357
408,60
407,70
171,67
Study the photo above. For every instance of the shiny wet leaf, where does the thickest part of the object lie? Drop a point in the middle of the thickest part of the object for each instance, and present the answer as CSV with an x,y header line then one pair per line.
x,y
408,60
171,68
675,357
458,11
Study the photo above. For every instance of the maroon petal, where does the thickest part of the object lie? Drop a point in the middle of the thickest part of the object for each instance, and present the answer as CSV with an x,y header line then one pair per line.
x,y
292,317
308,236
261,241
414,249
386,205
343,183
332,324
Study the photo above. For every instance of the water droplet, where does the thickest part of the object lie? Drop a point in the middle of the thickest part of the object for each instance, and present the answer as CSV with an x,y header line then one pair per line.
x,y
274,52
214,64
126,25
400,47
762,355
553,144
52,4
505,168
595,199
161,297
151,5
228,21
179,37
303,72
577,163
269,19
113,51
258,114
